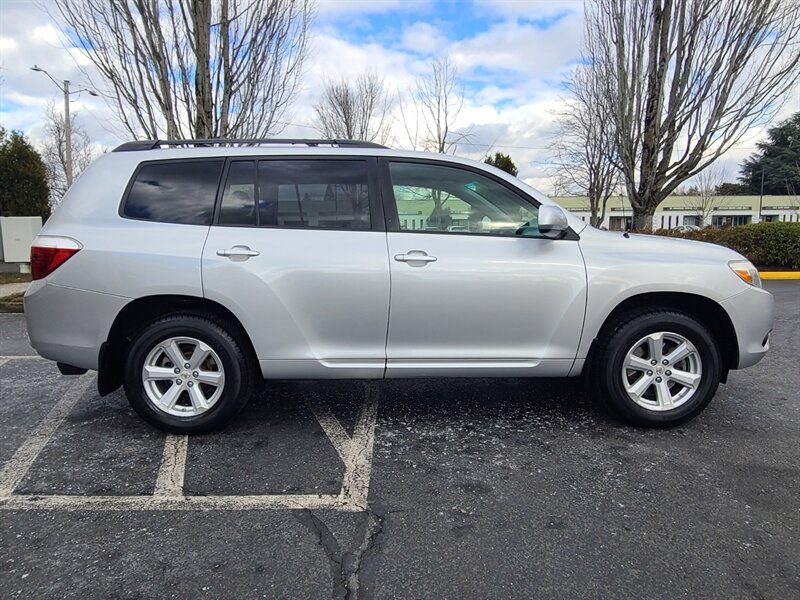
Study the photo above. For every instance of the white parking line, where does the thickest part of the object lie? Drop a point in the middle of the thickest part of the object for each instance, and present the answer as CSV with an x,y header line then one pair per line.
x,y
332,428
3,361
355,452
22,357
358,465
16,468
128,503
173,466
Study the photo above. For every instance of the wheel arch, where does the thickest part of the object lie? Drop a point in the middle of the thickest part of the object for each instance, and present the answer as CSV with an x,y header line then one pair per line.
x,y
702,308
135,315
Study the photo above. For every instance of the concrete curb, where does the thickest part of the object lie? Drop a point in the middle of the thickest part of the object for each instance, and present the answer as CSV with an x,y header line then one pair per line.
x,y
779,274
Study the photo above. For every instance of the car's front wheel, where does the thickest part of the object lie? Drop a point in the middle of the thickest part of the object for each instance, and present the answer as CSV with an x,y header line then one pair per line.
x,y
186,374
659,368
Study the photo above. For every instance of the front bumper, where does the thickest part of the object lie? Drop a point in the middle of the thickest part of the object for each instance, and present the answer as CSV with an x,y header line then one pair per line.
x,y
69,325
752,313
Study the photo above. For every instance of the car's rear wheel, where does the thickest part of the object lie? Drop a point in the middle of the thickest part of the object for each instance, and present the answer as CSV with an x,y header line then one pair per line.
x,y
187,374
657,369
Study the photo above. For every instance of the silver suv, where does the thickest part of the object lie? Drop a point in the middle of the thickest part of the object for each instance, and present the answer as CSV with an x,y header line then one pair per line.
x,y
187,270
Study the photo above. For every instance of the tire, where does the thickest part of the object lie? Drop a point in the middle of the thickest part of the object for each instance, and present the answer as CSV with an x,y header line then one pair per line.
x,y
212,390
657,395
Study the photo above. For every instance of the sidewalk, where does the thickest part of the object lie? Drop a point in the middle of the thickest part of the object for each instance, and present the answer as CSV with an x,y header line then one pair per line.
x,y
6,289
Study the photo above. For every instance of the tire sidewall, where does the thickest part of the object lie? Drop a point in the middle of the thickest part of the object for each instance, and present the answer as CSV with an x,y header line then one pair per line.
x,y
635,330
226,406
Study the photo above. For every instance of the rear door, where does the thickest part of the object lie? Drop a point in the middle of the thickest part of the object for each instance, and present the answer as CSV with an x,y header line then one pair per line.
x,y
297,252
476,290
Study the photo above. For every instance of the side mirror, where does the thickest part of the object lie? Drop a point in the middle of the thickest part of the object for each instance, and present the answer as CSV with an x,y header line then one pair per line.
x,y
552,222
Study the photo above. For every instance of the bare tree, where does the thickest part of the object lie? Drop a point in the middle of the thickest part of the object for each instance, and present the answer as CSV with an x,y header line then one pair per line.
x,y
360,110
54,151
192,68
584,146
703,197
438,100
684,80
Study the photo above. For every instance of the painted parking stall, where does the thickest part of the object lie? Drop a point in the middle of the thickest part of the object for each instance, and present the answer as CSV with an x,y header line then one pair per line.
x,y
353,449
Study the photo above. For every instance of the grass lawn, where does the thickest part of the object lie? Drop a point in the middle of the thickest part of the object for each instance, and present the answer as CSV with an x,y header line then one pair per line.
x,y
12,303
14,277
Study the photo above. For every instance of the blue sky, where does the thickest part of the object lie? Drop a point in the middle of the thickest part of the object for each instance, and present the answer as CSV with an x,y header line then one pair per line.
x,y
512,58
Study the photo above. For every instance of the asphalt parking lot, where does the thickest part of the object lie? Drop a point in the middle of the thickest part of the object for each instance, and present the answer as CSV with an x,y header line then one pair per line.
x,y
402,489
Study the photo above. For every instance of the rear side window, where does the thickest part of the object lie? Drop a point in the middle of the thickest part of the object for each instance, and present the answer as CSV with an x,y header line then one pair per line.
x,y
174,192
324,194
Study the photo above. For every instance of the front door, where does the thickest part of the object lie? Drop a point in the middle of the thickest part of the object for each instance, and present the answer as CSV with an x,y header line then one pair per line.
x,y
475,289
298,253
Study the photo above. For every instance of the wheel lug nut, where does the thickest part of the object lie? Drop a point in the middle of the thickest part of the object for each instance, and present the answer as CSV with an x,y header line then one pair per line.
x,y
177,382
653,362
186,366
190,384
667,373
177,370
649,372
658,379
665,362
195,373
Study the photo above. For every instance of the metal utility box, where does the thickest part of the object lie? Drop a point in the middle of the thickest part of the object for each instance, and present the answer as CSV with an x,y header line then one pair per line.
x,y
16,235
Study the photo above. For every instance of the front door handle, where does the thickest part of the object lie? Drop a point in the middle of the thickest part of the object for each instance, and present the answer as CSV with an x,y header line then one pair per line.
x,y
238,253
415,256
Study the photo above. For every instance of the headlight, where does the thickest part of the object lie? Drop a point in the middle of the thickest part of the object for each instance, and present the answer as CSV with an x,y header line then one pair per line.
x,y
746,272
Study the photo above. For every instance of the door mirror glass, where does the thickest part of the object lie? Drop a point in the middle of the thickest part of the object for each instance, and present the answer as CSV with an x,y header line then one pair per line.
x,y
552,221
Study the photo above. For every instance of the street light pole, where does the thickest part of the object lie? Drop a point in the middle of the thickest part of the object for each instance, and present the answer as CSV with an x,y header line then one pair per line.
x,y
67,122
67,136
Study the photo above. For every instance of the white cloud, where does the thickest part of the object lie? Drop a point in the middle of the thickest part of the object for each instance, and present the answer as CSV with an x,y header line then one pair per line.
x,y
46,34
7,45
423,38
521,48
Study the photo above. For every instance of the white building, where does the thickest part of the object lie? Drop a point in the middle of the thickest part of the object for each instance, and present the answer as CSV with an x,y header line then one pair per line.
x,y
676,211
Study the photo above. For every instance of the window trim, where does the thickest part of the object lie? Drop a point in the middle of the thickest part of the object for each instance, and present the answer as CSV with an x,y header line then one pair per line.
x,y
390,202
145,163
376,211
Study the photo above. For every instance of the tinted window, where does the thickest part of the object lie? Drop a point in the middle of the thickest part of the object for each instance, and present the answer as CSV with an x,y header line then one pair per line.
x,y
175,192
238,204
330,194
447,199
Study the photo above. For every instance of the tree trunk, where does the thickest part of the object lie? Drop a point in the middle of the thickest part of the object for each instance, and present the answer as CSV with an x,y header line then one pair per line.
x,y
642,219
201,23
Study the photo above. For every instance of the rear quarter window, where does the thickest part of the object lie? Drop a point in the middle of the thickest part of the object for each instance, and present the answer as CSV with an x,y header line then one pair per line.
x,y
174,192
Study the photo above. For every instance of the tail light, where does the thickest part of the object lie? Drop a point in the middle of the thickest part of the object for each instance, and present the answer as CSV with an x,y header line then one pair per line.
x,y
50,252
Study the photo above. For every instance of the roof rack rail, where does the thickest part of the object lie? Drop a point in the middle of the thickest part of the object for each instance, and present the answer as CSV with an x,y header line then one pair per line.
x,y
153,144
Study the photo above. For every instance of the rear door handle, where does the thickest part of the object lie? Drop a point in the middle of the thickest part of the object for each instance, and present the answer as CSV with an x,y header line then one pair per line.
x,y
238,253
415,256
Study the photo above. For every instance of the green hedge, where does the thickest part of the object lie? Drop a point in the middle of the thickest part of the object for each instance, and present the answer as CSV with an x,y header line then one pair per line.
x,y
765,244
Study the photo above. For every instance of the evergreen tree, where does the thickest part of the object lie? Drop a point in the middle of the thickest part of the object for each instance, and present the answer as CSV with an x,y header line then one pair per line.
x,y
23,178
503,162
778,158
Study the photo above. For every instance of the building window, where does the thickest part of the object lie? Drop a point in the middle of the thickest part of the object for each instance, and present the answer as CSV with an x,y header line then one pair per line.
x,y
693,220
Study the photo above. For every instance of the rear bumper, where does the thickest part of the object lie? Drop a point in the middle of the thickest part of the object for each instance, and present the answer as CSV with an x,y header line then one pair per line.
x,y
68,325
752,313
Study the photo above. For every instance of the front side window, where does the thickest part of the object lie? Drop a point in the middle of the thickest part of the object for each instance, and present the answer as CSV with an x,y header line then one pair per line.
x,y
325,194
174,192
435,198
